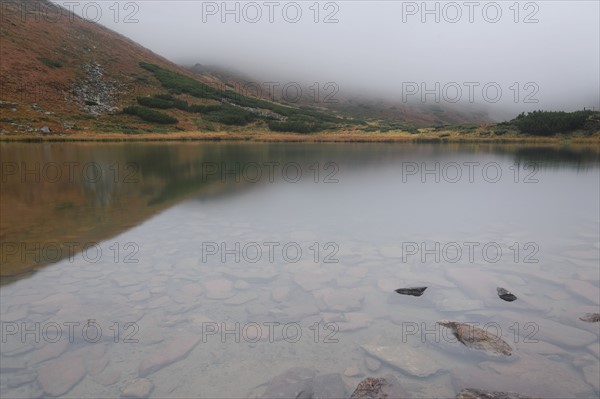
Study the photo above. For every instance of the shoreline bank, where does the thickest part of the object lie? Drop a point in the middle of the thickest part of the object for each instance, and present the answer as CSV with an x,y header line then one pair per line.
x,y
438,137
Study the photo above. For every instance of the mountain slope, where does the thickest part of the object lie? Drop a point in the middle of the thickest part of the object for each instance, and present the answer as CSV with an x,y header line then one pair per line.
x,y
69,71
63,75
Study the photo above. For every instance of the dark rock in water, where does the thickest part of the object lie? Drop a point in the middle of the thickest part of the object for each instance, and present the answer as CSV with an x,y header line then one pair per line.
x,y
506,294
414,291
370,388
476,338
300,383
470,393
591,317
378,388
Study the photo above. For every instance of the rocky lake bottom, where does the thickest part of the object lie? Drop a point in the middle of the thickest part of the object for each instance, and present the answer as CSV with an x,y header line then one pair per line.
x,y
226,330
163,310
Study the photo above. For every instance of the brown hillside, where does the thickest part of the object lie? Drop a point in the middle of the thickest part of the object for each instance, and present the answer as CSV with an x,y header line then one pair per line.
x,y
55,67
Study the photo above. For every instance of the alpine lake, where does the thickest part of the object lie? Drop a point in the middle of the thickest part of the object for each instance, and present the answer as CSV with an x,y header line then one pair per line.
x,y
236,270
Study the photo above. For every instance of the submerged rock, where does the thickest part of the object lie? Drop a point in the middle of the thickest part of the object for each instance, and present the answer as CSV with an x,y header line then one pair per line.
x,y
590,375
372,364
242,298
476,338
378,388
534,375
301,383
8,365
139,388
411,361
591,317
414,291
352,371
49,351
554,332
290,376
176,350
108,378
280,294
13,347
583,289
458,305
20,379
219,289
505,294
58,376
340,300
353,321
469,393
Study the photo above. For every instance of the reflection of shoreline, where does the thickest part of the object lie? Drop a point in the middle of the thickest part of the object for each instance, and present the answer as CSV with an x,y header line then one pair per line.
x,y
548,157
78,211
42,218
104,224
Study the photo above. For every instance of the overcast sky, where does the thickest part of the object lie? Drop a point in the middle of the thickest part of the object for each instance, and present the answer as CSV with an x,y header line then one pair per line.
x,y
544,51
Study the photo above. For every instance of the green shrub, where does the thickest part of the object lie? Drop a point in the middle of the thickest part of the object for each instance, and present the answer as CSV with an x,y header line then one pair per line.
x,y
296,125
153,102
163,101
230,115
545,122
150,115
166,97
201,109
178,83
51,63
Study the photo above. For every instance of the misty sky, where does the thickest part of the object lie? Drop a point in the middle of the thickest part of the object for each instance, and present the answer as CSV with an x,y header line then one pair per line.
x,y
383,48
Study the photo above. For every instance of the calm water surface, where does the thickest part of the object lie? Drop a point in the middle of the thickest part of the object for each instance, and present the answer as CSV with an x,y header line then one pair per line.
x,y
209,269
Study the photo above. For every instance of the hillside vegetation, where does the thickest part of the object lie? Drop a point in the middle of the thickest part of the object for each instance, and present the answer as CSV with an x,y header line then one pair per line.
x,y
236,109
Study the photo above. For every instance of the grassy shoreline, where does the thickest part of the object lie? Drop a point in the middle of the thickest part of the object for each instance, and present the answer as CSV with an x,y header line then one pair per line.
x,y
336,137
